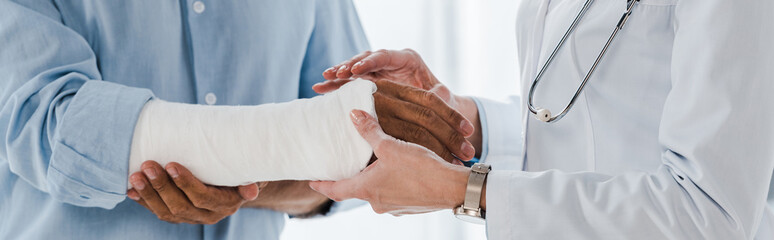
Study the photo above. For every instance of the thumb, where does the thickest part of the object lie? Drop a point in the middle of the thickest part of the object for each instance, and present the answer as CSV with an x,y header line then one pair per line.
x,y
248,192
369,129
337,191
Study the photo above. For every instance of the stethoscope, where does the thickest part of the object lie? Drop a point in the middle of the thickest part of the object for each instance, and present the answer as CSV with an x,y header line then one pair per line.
x,y
543,114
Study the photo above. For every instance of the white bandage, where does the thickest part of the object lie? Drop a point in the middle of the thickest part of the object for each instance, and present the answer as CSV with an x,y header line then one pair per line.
x,y
305,139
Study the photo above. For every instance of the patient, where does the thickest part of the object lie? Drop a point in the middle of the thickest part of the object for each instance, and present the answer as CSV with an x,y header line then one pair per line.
x,y
75,76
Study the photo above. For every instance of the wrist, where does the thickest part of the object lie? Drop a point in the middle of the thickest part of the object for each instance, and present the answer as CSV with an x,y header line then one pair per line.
x,y
458,183
289,196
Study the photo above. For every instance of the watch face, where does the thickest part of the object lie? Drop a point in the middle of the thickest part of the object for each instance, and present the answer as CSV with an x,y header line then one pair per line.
x,y
470,219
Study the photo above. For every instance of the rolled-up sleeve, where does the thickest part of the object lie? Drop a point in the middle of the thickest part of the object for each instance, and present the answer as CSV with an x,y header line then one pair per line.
x,y
64,131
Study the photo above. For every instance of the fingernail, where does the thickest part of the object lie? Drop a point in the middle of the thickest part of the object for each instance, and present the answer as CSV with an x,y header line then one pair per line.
x,y
330,69
468,149
133,196
466,127
357,117
150,173
357,64
137,183
342,68
172,172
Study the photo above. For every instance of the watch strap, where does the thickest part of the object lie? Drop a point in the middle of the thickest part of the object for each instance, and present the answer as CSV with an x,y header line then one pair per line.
x,y
475,186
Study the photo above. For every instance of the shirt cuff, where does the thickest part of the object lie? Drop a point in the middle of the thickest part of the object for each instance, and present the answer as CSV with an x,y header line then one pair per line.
x,y
502,141
484,130
90,156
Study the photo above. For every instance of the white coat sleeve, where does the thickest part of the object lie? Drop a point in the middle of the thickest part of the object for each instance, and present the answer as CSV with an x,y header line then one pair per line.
x,y
502,147
717,133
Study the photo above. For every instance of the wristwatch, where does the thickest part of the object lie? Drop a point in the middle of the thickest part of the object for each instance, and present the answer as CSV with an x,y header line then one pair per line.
x,y
470,210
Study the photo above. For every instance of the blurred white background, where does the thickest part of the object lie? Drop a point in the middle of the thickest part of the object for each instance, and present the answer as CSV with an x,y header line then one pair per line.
x,y
470,46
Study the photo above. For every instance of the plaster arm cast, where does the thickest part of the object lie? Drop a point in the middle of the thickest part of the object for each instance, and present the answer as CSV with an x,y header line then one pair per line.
x,y
305,139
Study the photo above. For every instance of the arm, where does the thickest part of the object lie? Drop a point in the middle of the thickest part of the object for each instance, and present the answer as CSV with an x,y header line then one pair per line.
x,y
57,113
292,197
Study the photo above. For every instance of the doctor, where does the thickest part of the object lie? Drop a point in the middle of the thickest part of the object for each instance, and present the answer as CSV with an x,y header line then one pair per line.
x,y
672,137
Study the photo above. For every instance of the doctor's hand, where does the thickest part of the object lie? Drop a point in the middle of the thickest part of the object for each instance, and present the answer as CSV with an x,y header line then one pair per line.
x,y
404,66
176,196
405,179
401,66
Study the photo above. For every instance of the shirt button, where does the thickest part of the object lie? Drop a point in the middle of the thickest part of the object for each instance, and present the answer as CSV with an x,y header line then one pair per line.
x,y
210,98
198,7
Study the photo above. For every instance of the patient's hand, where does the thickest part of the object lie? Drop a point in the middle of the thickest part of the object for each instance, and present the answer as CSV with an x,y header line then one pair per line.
x,y
405,67
419,116
176,196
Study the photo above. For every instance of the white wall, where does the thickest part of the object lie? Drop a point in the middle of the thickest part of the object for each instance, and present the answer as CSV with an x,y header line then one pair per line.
x,y
470,46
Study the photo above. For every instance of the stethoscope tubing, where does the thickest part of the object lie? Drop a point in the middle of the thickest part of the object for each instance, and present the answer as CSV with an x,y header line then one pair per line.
x,y
545,115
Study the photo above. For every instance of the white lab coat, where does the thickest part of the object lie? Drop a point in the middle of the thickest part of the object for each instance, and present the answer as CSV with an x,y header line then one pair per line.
x,y
673,137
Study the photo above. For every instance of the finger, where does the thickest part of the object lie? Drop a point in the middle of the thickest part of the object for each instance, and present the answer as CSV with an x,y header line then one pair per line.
x,y
201,195
150,197
176,201
425,118
383,60
172,219
332,72
249,192
132,194
345,71
370,130
429,100
410,132
329,85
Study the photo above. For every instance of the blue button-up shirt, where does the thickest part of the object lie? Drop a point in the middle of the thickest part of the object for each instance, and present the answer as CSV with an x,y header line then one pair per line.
x,y
74,76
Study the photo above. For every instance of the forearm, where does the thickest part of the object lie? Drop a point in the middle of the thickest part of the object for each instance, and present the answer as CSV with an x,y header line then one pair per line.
x,y
292,197
234,145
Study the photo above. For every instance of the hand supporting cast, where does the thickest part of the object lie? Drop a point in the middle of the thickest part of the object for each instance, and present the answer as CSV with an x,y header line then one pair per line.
x,y
175,195
406,178
404,67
